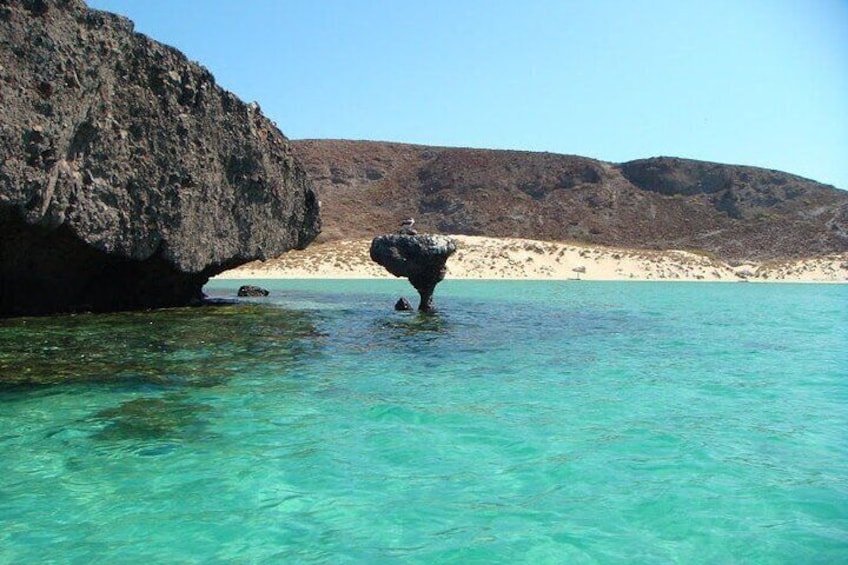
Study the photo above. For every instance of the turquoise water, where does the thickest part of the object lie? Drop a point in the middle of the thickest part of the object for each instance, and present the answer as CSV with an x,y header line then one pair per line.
x,y
537,422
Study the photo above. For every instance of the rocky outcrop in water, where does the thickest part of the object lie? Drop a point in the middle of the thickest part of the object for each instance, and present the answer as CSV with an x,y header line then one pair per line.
x,y
252,291
403,305
128,177
419,258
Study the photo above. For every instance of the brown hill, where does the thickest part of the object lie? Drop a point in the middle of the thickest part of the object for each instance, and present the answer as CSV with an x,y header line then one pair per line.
x,y
738,213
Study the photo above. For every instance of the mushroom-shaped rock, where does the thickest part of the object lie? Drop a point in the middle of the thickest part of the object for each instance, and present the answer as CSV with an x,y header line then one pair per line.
x,y
419,258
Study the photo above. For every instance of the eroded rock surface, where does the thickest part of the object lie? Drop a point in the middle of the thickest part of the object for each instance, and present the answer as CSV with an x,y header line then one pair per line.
x,y
419,258
128,177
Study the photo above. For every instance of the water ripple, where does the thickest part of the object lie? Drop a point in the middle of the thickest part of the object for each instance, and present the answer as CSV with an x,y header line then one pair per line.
x,y
525,422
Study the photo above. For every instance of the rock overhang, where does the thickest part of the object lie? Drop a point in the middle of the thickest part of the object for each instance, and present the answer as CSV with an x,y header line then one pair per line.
x,y
119,154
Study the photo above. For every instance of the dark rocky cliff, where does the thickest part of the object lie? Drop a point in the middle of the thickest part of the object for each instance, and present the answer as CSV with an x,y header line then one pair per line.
x,y
128,177
735,212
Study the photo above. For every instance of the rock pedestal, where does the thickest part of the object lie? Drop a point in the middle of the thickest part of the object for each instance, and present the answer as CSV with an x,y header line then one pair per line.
x,y
419,258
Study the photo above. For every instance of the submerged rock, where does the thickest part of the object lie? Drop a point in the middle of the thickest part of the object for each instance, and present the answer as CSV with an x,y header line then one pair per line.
x,y
419,258
251,291
128,176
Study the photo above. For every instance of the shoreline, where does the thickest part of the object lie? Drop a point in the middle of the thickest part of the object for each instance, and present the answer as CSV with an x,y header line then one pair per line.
x,y
487,258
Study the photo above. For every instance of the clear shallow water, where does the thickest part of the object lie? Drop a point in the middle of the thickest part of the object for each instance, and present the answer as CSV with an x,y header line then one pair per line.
x,y
526,422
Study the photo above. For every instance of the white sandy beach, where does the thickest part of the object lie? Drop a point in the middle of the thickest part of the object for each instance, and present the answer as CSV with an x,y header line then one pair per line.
x,y
508,258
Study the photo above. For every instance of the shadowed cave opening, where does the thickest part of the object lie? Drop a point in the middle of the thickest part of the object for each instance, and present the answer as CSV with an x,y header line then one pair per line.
x,y
44,271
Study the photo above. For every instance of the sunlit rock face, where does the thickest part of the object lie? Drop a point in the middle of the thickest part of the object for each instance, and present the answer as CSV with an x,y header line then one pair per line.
x,y
420,258
128,177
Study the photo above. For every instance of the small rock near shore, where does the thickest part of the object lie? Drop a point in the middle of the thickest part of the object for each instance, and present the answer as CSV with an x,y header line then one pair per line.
x,y
402,305
251,291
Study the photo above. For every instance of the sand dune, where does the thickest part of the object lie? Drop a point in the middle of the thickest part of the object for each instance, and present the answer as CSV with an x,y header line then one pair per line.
x,y
508,258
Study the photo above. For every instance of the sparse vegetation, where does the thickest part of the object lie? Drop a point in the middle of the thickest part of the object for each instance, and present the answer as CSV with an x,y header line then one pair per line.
x,y
511,258
477,192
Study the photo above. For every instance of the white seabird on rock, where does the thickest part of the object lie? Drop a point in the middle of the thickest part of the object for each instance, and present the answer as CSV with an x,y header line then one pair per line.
x,y
406,227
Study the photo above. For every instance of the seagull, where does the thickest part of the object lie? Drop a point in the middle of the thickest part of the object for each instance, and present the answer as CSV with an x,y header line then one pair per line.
x,y
406,227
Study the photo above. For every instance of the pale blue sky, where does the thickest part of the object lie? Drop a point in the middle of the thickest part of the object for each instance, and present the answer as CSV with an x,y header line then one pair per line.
x,y
754,82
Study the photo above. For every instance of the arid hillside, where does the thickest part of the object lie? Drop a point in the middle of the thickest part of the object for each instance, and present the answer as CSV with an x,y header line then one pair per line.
x,y
737,213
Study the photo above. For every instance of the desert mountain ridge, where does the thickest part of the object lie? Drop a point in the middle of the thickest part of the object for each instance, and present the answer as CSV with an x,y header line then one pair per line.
x,y
735,212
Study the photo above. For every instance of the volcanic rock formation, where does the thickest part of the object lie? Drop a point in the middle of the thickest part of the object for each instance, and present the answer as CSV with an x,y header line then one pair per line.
x,y
127,176
419,258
